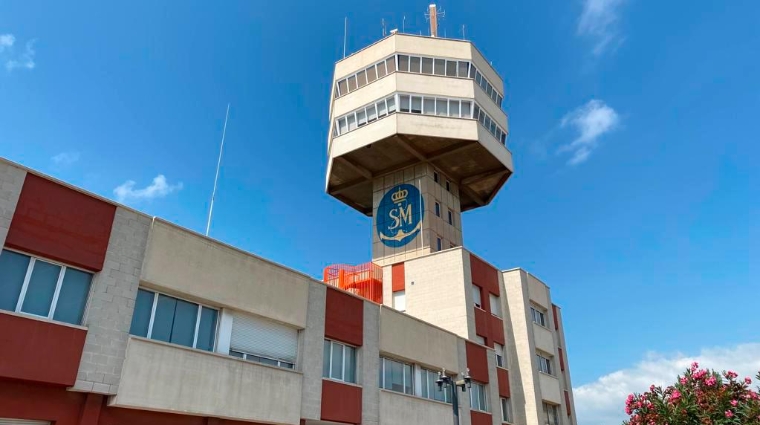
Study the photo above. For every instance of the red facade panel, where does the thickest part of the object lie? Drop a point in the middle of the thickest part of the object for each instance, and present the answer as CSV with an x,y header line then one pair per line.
x,y
397,277
62,224
496,328
481,324
22,400
504,388
556,319
39,351
344,317
480,418
561,359
477,362
341,402
567,403
485,276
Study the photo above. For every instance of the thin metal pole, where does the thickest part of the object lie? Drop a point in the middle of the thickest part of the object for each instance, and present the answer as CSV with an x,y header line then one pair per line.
x,y
345,34
218,165
455,403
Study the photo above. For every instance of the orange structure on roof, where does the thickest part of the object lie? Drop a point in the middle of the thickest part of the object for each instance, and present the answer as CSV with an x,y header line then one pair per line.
x,y
364,280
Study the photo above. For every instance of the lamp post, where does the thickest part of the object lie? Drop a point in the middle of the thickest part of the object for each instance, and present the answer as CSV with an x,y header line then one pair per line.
x,y
449,382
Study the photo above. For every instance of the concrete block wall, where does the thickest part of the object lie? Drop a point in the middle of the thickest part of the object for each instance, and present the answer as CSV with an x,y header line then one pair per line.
x,y
112,301
11,182
311,352
370,365
464,398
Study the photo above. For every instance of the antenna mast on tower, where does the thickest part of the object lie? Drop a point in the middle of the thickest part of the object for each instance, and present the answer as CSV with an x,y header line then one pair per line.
x,y
218,165
432,16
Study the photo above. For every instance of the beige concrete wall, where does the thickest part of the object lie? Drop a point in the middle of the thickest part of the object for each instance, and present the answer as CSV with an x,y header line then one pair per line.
x,y
408,338
187,264
11,181
526,389
565,378
550,388
398,409
539,293
436,290
485,68
365,57
434,126
363,136
436,85
169,378
544,339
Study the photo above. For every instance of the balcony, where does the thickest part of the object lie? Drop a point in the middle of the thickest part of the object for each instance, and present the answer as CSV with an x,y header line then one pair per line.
x,y
397,408
39,350
364,280
170,378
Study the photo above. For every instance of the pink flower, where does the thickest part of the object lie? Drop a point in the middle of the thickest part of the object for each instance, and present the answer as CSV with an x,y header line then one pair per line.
x,y
674,396
729,414
747,380
710,381
684,380
731,374
694,366
734,403
651,388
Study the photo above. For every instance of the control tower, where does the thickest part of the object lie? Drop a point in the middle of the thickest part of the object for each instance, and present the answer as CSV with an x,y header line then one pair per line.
x,y
417,136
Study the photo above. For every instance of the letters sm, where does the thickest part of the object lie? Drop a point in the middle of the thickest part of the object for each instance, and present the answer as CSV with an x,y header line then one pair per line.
x,y
399,216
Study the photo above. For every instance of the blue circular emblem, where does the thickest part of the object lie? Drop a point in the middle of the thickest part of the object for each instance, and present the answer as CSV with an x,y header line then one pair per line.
x,y
399,216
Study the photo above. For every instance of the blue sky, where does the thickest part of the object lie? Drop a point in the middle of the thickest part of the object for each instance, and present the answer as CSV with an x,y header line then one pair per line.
x,y
633,130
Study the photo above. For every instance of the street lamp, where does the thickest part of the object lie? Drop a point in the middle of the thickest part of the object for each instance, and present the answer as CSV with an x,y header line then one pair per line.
x,y
449,382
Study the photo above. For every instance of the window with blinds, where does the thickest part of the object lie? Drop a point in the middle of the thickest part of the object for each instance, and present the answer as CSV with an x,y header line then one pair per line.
x,y
264,341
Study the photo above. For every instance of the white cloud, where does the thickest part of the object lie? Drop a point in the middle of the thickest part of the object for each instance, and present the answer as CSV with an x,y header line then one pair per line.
x,y
599,21
591,120
158,189
65,158
6,41
602,401
24,60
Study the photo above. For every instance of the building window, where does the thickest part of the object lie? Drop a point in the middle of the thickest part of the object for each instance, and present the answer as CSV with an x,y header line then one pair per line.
x,y
451,218
399,300
506,410
34,286
545,364
551,414
438,244
365,76
164,318
430,388
476,296
437,209
448,186
435,176
396,376
499,354
265,341
339,362
478,397
539,317
495,302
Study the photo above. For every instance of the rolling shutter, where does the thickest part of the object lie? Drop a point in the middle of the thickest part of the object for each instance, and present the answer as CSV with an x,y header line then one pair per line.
x,y
262,337
21,422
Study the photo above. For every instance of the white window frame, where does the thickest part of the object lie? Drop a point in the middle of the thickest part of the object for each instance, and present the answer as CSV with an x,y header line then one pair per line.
x,y
555,411
495,301
343,346
58,284
545,364
451,217
197,318
424,381
538,316
404,385
482,388
501,359
245,356
478,302
339,92
507,414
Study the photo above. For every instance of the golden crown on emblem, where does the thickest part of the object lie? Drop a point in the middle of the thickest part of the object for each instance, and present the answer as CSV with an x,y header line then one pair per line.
x,y
399,195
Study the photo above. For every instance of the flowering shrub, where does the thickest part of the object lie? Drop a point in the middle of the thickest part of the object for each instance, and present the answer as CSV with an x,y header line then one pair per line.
x,y
699,397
